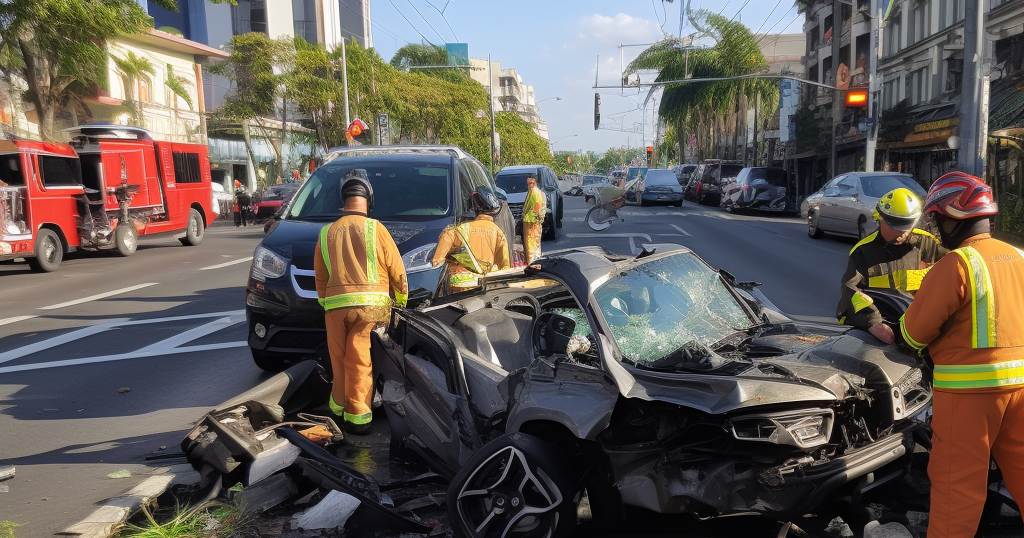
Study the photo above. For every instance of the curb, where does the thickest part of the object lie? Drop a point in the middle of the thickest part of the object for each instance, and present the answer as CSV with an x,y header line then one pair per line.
x,y
109,517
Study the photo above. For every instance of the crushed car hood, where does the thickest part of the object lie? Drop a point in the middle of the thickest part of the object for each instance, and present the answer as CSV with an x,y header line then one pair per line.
x,y
833,368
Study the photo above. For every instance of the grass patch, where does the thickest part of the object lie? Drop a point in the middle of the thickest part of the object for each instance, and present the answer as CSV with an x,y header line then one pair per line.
x,y
208,521
7,529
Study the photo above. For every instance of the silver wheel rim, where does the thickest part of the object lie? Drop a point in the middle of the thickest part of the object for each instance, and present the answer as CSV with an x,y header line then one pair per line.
x,y
129,241
49,250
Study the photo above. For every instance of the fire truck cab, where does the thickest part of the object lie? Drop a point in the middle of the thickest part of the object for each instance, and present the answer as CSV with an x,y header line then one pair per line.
x,y
110,185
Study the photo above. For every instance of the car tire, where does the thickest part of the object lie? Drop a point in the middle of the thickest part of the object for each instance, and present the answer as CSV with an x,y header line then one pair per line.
x,y
812,226
195,230
549,233
49,252
528,476
679,203
269,362
126,239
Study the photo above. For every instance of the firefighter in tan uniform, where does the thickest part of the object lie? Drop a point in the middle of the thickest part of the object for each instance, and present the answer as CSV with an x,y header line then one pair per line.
x,y
359,274
970,313
533,220
475,248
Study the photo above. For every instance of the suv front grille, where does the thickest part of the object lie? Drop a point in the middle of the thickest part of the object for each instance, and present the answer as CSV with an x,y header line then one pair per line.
x,y
517,210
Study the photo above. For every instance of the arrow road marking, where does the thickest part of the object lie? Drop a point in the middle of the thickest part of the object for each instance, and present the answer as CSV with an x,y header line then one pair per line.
x,y
99,296
682,231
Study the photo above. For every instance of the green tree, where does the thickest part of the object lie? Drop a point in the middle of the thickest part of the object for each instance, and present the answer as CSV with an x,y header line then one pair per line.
x,y
424,54
133,68
699,107
519,143
179,87
614,158
59,48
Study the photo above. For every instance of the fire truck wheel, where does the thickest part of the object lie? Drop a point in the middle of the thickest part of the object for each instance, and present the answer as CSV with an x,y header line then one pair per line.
x,y
49,252
195,230
126,240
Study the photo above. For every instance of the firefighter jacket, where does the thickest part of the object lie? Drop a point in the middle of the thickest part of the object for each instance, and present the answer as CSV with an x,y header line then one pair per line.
x,y
535,207
487,250
879,264
360,266
970,313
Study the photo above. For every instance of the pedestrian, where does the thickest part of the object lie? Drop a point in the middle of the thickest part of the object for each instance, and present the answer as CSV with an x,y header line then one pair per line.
x,y
969,312
296,177
359,275
243,204
277,181
533,220
475,248
895,258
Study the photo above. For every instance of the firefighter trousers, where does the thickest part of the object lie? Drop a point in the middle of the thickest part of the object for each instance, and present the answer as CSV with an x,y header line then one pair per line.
x,y
532,232
348,341
968,428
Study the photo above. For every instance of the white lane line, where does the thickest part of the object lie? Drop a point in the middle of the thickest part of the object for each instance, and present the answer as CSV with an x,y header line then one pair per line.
x,y
122,356
226,264
682,231
15,319
99,296
588,235
59,340
193,334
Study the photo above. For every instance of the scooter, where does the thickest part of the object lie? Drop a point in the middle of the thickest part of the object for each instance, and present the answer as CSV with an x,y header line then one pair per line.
x,y
603,214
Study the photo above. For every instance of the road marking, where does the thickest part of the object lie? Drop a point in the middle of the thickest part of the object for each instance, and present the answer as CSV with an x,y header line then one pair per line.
x,y
682,231
99,296
15,319
588,235
122,356
226,264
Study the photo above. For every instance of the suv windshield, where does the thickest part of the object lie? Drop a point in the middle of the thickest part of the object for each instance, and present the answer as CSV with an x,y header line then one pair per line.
x,y
878,186
731,170
513,183
590,180
405,190
660,177
665,313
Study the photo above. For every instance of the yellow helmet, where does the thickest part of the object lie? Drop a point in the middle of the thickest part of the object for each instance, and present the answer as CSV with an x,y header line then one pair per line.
x,y
900,208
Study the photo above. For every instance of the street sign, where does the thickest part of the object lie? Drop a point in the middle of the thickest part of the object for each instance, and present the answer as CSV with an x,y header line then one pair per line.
x,y
383,130
862,125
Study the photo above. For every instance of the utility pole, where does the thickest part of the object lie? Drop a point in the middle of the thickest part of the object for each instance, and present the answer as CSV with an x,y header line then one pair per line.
x,y
973,130
344,78
837,99
873,97
490,91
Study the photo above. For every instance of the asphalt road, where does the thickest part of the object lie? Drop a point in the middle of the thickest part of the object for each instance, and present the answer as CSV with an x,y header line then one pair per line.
x,y
109,360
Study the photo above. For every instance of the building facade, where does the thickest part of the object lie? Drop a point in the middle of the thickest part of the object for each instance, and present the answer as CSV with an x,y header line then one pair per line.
x,y
511,94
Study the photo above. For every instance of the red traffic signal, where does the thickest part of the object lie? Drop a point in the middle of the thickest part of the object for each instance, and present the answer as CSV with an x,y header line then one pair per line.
x,y
857,98
650,156
358,132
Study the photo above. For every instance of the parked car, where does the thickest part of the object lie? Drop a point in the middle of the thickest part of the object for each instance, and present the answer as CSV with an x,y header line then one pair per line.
x,y
592,185
512,179
683,172
657,382
661,187
617,178
418,190
762,188
705,185
845,205
635,172
270,200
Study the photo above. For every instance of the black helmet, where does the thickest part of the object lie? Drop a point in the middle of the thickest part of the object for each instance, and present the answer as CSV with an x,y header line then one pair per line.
x,y
356,184
484,202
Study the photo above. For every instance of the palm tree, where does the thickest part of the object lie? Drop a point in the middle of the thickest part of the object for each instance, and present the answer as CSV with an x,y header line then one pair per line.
x,y
697,106
132,69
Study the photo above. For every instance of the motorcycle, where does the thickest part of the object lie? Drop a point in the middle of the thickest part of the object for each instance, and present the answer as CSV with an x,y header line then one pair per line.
x,y
603,214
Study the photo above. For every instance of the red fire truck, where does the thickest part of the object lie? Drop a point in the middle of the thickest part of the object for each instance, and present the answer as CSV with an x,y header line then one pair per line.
x,y
110,185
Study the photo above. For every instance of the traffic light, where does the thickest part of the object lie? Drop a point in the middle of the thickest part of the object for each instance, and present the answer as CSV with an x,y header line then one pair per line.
x,y
597,110
650,156
857,98
358,134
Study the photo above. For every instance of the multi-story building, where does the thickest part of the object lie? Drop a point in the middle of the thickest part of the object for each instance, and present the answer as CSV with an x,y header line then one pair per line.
x,y
511,94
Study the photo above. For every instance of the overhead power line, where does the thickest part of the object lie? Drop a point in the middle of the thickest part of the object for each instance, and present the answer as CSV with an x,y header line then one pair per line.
x,y
375,23
425,20
410,22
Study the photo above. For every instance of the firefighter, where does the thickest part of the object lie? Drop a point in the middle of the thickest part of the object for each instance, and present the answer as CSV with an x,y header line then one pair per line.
x,y
473,248
896,257
359,274
533,220
243,204
970,313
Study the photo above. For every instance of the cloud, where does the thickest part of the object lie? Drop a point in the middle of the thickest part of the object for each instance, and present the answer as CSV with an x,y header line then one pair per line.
x,y
600,29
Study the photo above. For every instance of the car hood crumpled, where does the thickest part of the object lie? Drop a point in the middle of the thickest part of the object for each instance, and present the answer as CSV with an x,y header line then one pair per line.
x,y
817,369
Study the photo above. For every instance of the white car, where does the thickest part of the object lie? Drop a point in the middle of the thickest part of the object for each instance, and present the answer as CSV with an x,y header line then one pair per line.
x,y
592,185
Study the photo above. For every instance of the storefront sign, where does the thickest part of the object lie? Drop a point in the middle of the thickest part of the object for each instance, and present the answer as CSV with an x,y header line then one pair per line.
x,y
936,125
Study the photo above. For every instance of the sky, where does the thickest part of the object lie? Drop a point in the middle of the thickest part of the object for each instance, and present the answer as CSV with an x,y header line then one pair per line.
x,y
555,45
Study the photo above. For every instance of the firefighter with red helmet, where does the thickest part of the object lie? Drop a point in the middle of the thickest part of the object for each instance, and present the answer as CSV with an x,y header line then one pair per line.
x,y
475,248
969,312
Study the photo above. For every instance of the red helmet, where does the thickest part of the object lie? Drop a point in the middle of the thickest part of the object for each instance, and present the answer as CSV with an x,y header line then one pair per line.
x,y
960,196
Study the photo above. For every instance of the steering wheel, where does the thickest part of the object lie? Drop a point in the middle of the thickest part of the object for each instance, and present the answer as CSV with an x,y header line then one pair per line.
x,y
551,333
516,302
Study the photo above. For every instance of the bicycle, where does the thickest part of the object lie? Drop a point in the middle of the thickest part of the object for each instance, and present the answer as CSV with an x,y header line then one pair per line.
x,y
603,214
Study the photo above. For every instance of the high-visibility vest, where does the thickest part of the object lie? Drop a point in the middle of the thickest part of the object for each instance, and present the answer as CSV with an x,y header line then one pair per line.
x,y
533,198
888,276
381,297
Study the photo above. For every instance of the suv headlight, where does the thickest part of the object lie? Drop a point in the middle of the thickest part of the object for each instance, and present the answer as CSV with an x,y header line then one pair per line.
x,y
803,429
267,264
419,259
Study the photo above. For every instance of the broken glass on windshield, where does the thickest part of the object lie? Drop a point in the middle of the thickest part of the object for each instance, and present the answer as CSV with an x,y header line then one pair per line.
x,y
672,305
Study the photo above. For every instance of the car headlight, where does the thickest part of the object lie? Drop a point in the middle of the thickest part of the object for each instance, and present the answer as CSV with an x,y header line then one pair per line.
x,y
803,429
267,264
419,259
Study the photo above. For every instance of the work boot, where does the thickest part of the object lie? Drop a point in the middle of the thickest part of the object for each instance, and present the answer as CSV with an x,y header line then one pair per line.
x,y
338,410
358,424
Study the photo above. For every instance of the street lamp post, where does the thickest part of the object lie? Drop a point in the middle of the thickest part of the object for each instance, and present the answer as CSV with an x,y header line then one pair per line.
x,y
563,138
547,99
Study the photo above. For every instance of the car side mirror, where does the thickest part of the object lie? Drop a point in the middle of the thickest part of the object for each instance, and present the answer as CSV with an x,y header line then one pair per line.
x,y
501,194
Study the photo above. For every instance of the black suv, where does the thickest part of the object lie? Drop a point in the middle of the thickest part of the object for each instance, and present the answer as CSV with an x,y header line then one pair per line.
x,y
512,180
418,190
705,186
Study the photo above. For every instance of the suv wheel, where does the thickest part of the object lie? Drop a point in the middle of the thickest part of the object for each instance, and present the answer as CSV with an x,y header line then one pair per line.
x,y
812,226
516,485
549,233
269,362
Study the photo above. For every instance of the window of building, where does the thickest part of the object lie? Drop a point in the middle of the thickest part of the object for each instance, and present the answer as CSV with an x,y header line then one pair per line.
x,y
893,35
248,16
920,21
951,12
954,73
917,86
186,167
304,13
142,91
890,93
59,171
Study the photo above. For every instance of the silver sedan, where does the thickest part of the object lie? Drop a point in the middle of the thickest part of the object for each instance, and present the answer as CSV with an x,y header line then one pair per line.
x,y
844,206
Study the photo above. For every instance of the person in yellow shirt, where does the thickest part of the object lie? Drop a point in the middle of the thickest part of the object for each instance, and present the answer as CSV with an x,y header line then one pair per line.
x,y
475,248
533,220
359,275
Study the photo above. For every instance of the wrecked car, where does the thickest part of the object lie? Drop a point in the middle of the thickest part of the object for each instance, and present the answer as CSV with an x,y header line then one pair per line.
x,y
655,382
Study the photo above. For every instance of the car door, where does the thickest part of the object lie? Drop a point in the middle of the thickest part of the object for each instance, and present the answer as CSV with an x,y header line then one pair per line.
x,y
550,191
846,204
828,211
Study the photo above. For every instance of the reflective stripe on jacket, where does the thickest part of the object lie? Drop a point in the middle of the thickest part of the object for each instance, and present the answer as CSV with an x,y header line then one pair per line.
x,y
970,314
535,206
476,247
360,266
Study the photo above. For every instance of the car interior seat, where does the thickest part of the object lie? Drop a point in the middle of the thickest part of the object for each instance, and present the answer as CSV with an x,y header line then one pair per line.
x,y
501,336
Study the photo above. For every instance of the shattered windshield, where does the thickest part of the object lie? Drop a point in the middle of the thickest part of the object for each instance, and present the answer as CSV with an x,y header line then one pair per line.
x,y
667,312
